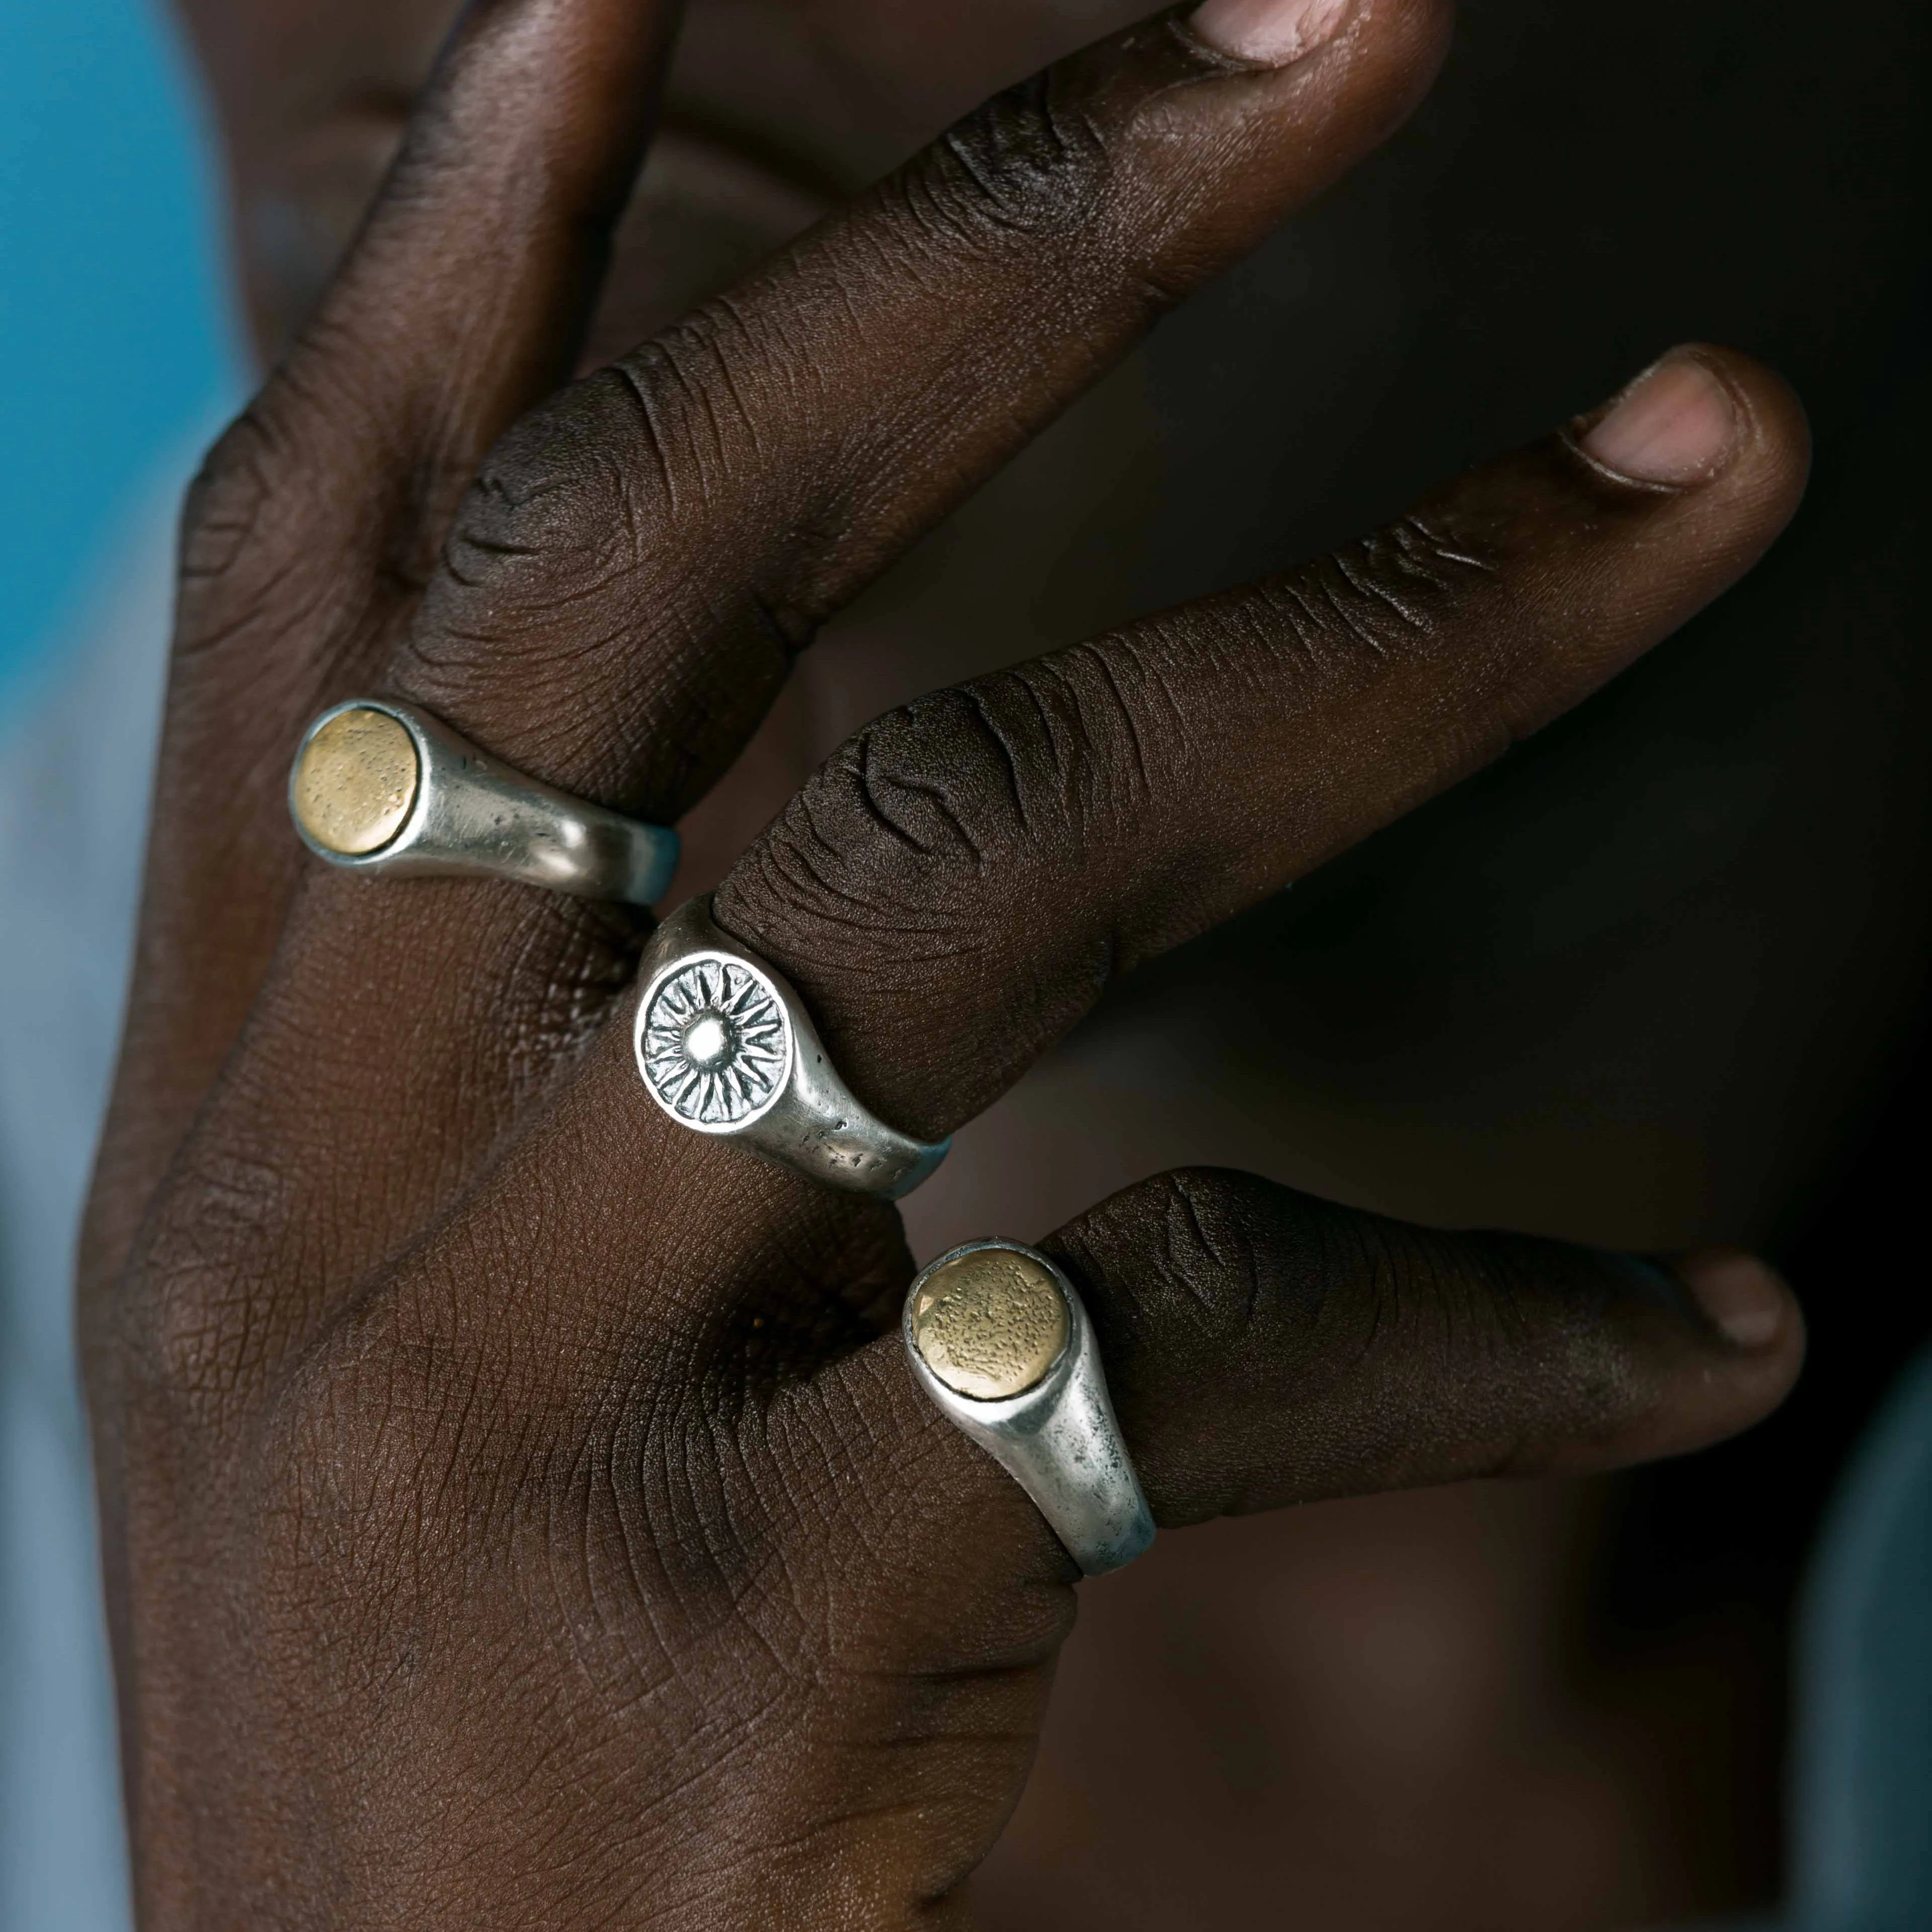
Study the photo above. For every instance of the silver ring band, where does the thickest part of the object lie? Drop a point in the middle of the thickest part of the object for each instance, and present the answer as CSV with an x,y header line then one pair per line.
x,y
725,1046
999,1338
380,787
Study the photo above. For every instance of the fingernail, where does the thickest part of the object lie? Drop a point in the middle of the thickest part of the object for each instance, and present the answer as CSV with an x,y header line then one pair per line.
x,y
1676,424
1271,33
1743,1299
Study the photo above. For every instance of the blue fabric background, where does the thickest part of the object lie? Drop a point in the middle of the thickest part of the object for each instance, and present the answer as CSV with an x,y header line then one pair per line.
x,y
114,334
116,354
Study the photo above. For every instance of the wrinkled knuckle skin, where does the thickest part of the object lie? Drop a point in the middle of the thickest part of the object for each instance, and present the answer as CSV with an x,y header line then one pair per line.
x,y
248,541
976,838
563,512
1030,165
232,495
1080,159
927,833
1384,599
1213,1264
286,494
602,554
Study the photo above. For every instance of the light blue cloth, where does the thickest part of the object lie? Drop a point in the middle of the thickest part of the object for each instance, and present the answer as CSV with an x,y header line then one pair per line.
x,y
75,754
116,326
1862,1787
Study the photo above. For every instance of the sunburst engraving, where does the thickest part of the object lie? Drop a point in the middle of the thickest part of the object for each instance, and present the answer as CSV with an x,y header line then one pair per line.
x,y
714,1045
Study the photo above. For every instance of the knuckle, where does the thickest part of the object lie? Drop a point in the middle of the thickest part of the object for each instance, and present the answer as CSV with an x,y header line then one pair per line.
x,y
364,1439
304,528
1217,1268
607,550
191,1327
1092,157
1388,595
560,511
1211,1260
952,807
257,523
1030,164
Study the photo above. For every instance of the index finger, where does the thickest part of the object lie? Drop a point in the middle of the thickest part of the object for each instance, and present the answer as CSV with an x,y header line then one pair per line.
x,y
317,516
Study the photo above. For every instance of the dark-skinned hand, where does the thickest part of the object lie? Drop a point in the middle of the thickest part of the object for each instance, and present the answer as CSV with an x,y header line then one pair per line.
x,y
518,1511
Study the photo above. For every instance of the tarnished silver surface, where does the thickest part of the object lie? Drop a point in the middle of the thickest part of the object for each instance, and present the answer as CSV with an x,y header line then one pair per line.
x,y
967,1324
725,1046
350,796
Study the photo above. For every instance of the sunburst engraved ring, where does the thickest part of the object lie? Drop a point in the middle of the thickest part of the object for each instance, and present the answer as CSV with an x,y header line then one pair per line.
x,y
725,1047
381,787
999,1338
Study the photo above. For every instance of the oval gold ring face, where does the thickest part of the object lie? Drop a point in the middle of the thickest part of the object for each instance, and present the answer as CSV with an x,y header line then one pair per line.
x,y
990,1323
356,782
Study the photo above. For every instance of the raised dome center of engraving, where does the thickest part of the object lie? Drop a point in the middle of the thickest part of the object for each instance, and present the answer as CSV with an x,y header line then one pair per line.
x,y
356,783
991,1323
708,1041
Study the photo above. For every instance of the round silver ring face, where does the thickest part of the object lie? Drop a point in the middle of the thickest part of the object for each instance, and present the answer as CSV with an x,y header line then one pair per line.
x,y
715,1045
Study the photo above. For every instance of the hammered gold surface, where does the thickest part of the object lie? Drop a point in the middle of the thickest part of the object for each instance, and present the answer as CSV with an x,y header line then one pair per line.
x,y
990,1324
356,782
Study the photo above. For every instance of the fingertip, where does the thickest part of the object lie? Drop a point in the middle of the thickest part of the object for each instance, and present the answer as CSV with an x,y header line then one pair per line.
x,y
1313,85
1702,413
1772,459
1753,1330
1748,1303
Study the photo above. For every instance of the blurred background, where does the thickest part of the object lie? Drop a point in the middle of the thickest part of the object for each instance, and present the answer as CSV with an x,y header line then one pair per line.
x,y
116,355
115,342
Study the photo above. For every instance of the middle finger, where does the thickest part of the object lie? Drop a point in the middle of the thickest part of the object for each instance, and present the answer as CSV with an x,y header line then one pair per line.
x,y
640,559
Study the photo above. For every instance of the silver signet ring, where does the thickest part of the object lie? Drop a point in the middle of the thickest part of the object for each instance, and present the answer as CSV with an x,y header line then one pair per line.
x,y
998,1337
380,787
725,1047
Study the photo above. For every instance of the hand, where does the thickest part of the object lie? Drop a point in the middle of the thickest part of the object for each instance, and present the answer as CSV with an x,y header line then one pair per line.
x,y
517,1510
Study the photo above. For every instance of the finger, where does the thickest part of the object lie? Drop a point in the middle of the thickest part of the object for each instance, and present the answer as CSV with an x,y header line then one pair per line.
x,y
314,523
317,518
641,560
955,888
466,296
1263,1349
1271,1347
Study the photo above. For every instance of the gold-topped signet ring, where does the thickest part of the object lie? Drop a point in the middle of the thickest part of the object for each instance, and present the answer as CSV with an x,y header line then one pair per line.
x,y
997,1336
990,1321
378,786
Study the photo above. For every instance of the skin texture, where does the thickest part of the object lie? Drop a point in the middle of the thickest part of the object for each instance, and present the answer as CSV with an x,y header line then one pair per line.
x,y
518,1511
